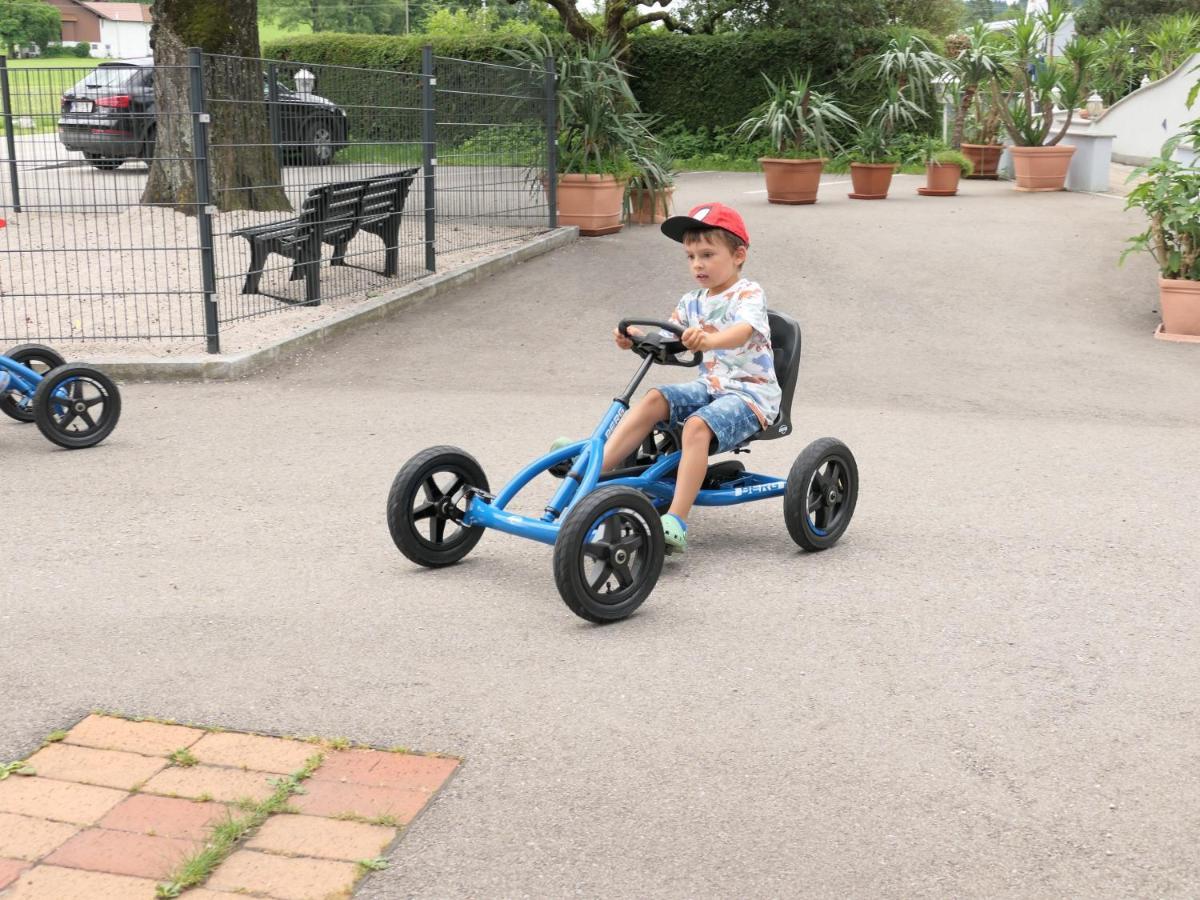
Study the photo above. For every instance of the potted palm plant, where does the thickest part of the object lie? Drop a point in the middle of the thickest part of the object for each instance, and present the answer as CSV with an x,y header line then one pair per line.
x,y
943,168
1170,197
1036,80
975,67
602,134
648,201
800,122
872,164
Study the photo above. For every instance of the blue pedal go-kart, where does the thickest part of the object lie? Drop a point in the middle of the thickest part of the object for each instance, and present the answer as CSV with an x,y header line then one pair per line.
x,y
605,528
74,406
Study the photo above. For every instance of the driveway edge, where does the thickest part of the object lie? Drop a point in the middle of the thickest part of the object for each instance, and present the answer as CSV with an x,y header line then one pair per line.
x,y
217,367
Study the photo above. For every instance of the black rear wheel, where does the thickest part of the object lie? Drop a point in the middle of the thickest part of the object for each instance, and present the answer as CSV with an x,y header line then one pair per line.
x,y
103,162
41,359
426,504
822,491
609,554
318,142
76,406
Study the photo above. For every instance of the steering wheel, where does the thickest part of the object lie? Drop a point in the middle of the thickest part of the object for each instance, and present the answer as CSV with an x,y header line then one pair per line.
x,y
661,349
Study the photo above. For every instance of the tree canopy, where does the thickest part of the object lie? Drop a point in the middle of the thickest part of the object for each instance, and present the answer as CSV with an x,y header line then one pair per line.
x,y
1095,15
27,22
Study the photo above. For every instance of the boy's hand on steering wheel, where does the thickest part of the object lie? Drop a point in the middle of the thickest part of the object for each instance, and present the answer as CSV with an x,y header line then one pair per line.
x,y
626,343
695,339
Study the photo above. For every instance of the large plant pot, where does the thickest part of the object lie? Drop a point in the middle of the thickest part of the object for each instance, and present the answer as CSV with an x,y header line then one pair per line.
x,y
871,180
649,207
985,158
593,202
1179,301
792,181
941,180
1041,168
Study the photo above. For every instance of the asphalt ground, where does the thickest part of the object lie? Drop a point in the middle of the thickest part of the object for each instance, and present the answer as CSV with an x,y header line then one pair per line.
x,y
987,688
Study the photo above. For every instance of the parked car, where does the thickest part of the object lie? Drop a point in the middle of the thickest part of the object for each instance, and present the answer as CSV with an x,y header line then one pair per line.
x,y
111,117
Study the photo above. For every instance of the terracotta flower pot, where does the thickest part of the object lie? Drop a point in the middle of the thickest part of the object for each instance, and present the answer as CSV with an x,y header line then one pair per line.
x,y
1179,301
593,202
871,180
1041,168
941,180
985,158
649,207
792,181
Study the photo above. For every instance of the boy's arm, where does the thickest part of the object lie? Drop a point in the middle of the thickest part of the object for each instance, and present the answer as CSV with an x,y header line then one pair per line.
x,y
700,341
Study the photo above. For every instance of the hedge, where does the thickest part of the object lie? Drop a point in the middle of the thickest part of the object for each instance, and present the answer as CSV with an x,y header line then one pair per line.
x,y
696,81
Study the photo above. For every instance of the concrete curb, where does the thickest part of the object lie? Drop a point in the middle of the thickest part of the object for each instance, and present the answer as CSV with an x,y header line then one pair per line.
x,y
223,367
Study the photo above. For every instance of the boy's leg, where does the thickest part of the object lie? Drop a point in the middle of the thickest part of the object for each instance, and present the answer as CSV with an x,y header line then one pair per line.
x,y
693,464
633,428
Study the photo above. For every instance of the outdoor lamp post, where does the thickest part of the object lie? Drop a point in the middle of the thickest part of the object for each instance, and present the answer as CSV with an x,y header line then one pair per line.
x,y
305,81
1095,105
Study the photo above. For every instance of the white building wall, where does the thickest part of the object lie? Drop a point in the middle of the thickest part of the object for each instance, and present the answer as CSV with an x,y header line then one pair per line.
x,y
1141,122
124,40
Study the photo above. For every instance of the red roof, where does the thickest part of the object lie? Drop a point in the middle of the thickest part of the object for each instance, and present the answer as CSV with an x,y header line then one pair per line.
x,y
120,12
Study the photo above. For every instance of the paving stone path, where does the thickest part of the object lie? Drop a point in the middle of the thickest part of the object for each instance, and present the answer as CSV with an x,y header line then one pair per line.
x,y
110,814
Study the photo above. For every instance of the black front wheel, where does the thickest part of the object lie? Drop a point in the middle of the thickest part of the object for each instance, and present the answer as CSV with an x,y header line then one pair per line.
x,y
426,504
41,359
76,406
103,162
609,554
318,143
822,490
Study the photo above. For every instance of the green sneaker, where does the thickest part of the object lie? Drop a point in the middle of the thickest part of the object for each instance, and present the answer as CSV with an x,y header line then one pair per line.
x,y
674,533
560,470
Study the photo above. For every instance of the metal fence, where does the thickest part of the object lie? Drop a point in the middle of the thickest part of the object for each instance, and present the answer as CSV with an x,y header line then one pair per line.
x,y
125,222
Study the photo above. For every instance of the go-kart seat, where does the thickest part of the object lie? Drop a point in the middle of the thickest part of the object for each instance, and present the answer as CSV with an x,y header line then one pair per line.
x,y
785,342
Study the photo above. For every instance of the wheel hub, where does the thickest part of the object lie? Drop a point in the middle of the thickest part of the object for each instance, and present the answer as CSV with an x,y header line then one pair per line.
x,y
80,407
620,557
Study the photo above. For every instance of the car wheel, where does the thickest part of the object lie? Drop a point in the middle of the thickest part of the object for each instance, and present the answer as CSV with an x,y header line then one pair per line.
x,y
318,143
103,162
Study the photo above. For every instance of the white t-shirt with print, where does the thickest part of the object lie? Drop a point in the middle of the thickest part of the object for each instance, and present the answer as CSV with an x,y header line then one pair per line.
x,y
749,370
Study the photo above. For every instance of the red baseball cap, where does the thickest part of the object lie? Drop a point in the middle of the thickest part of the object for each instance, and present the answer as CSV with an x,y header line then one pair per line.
x,y
707,215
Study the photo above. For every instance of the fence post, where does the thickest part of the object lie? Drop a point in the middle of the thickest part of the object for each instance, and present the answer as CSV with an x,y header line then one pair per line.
x,y
9,137
551,142
429,152
273,112
208,271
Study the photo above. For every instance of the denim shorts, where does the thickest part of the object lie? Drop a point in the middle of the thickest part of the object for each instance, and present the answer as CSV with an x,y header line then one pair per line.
x,y
728,415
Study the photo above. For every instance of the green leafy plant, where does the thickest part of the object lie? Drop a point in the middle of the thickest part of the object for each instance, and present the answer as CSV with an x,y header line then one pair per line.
x,y
601,128
1169,194
378,864
15,768
183,757
871,146
976,65
799,120
1034,80
1115,66
1172,43
907,64
953,157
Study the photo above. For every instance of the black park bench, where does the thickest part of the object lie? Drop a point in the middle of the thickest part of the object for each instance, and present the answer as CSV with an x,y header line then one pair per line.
x,y
332,214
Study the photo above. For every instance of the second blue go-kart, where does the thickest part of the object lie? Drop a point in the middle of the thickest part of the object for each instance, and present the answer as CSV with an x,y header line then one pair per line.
x,y
74,406
605,527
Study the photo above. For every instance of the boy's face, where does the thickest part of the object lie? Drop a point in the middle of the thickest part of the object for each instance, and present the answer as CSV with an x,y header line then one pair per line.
x,y
713,264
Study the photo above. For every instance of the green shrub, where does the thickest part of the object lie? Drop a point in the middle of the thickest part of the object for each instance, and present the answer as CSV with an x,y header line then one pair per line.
x,y
677,78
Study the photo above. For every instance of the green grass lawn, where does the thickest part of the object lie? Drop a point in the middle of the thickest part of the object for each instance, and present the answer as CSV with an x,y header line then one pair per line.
x,y
269,31
36,87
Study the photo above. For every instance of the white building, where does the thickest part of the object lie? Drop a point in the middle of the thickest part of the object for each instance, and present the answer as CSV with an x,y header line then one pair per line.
x,y
113,30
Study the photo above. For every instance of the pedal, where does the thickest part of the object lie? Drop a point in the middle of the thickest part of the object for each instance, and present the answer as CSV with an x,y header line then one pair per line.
x,y
720,474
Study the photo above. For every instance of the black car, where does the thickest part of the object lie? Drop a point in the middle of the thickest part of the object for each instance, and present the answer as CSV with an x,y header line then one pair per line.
x,y
110,116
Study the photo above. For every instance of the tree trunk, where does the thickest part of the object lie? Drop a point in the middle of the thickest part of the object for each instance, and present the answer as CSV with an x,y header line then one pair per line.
x,y
242,164
960,118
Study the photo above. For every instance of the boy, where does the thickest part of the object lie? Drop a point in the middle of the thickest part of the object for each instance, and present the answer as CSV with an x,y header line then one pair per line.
x,y
736,393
